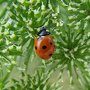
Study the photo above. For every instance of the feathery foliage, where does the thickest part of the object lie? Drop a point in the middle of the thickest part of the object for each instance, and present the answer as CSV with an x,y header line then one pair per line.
x,y
69,23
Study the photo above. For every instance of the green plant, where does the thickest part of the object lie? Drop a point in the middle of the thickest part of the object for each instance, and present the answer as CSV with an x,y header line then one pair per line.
x,y
68,21
38,81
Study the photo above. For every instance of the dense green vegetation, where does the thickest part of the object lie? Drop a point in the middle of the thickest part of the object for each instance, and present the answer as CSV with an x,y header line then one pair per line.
x,y
69,23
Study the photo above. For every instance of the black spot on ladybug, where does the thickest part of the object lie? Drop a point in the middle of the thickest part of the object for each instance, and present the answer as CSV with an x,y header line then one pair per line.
x,y
36,47
50,43
50,54
44,47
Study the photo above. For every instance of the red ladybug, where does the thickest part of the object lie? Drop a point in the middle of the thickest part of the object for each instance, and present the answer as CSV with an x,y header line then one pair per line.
x,y
44,44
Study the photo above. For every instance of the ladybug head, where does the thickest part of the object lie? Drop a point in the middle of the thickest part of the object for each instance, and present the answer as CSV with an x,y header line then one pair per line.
x,y
43,32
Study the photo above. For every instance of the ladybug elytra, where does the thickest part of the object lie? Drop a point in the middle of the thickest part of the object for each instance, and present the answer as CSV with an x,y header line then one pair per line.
x,y
44,44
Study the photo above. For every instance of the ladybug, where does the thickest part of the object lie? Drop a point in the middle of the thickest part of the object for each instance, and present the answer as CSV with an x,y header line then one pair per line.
x,y
44,44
